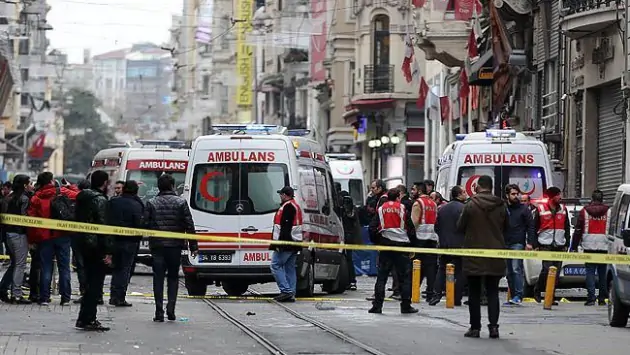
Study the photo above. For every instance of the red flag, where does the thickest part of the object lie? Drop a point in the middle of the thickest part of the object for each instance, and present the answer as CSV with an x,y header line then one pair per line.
x,y
418,3
422,93
37,149
406,64
474,97
464,89
472,45
445,108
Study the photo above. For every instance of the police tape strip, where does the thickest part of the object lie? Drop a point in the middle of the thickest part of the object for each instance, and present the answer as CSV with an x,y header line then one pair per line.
x,y
79,227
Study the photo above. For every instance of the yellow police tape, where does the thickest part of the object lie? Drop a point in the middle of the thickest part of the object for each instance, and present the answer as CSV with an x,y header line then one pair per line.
x,y
482,253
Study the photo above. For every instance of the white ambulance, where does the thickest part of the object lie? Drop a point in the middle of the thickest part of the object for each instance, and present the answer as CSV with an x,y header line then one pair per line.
x,y
508,157
231,187
348,171
143,161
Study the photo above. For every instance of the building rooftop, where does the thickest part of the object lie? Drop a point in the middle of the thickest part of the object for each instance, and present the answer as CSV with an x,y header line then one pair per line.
x,y
117,54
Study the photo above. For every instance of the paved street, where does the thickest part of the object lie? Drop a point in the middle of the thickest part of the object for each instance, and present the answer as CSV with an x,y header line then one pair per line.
x,y
525,330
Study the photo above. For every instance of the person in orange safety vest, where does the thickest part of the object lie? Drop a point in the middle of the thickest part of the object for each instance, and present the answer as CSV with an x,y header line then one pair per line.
x,y
287,226
424,215
590,233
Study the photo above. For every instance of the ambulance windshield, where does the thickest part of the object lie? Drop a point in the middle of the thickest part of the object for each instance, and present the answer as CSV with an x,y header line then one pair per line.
x,y
354,187
147,181
238,188
530,180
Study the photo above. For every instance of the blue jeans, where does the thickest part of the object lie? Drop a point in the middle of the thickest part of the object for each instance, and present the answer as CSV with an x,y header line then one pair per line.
x,y
590,281
284,270
515,273
59,248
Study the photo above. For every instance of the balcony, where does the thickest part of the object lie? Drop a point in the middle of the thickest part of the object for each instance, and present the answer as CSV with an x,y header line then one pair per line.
x,y
584,16
379,79
442,36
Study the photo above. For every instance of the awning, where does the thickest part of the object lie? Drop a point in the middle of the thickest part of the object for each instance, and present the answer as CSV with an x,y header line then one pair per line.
x,y
373,103
481,72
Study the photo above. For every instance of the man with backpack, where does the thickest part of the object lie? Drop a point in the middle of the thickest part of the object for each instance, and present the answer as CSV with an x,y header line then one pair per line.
x,y
52,201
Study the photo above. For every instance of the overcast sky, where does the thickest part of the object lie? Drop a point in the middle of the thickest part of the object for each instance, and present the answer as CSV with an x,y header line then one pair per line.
x,y
105,25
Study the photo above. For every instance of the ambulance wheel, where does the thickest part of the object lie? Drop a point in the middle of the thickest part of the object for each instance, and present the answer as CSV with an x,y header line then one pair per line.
x,y
340,284
307,284
234,288
617,311
194,286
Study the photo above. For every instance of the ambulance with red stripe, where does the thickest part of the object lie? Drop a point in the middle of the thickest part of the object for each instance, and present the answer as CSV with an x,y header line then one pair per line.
x,y
231,187
143,161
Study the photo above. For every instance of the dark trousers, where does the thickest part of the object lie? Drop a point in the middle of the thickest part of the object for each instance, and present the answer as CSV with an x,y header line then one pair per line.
x,y
77,258
352,275
35,274
491,284
95,270
440,281
546,264
123,260
401,264
166,262
428,266
59,249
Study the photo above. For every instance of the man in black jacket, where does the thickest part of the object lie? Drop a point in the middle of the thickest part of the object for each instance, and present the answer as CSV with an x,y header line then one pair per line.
x,y
450,237
96,249
352,233
521,228
127,210
168,212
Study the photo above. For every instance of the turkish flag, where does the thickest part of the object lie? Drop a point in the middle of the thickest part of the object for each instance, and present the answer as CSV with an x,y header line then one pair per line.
x,y
464,9
445,108
472,45
422,93
418,3
37,149
464,88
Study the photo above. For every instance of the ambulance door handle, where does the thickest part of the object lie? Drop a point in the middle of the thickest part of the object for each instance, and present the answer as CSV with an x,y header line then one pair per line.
x,y
332,223
249,229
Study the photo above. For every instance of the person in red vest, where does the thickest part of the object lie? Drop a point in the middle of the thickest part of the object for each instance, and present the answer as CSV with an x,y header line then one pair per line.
x,y
287,226
590,232
424,215
392,227
551,222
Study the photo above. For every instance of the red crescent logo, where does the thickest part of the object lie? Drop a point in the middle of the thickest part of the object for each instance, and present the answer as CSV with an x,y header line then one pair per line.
x,y
531,192
204,186
471,184
345,170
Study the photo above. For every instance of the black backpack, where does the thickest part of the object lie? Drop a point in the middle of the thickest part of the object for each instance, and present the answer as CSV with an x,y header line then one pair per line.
x,y
62,207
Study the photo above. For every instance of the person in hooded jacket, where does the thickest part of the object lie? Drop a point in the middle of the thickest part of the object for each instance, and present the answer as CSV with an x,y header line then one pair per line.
x,y
483,220
590,233
51,244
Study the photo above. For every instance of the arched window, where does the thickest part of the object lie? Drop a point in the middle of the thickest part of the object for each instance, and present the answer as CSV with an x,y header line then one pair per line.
x,y
381,40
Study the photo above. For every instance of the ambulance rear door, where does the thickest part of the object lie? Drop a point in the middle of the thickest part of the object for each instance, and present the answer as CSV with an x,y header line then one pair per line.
x,y
235,192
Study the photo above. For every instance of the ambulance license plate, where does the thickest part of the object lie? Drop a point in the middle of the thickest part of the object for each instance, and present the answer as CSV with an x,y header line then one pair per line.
x,y
574,271
216,257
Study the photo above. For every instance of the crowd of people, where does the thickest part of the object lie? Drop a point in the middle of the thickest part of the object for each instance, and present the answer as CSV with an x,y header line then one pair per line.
x,y
93,255
482,221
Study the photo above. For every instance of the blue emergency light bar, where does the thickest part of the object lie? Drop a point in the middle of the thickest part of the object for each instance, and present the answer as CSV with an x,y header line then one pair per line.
x,y
248,128
500,133
298,132
158,143
460,136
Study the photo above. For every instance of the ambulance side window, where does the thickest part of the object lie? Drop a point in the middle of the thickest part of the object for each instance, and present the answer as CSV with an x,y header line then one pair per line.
x,y
308,189
622,215
442,182
324,189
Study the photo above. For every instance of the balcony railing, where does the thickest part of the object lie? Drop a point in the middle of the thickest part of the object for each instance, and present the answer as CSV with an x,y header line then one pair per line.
x,y
379,78
577,6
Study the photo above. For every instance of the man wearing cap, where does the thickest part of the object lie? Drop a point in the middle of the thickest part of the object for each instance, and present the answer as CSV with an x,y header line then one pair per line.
x,y
551,223
287,226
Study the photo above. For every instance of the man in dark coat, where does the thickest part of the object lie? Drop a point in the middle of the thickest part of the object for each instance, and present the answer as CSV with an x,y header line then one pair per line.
x,y
352,234
483,221
126,210
450,237
170,213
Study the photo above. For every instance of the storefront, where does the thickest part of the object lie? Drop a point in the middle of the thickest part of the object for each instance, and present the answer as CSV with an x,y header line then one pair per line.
x,y
610,139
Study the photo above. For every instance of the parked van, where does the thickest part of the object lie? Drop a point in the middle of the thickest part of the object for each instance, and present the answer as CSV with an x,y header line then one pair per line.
x,y
143,161
231,187
618,276
348,171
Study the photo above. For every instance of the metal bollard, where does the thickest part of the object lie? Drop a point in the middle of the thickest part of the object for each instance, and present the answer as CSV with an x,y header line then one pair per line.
x,y
55,278
450,286
509,295
550,288
415,282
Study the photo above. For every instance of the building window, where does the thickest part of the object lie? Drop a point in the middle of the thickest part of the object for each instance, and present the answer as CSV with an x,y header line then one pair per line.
x,y
24,100
205,85
23,47
24,75
381,40
225,99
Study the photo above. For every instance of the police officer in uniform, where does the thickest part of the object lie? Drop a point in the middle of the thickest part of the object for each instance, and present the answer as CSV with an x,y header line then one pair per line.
x,y
392,227
551,221
590,232
424,215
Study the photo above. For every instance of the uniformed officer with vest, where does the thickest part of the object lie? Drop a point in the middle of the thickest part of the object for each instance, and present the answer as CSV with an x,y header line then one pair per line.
x,y
287,226
553,231
424,215
590,233
392,227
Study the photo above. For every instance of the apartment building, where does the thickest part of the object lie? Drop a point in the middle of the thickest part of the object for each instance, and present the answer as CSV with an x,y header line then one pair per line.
x,y
109,75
